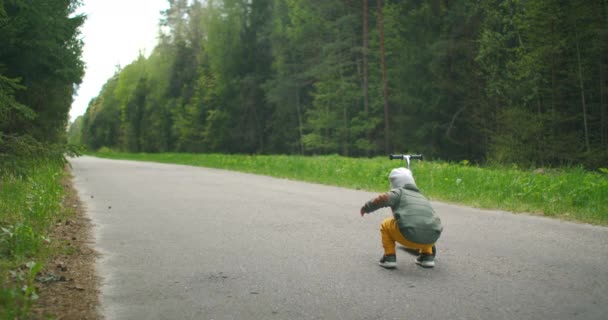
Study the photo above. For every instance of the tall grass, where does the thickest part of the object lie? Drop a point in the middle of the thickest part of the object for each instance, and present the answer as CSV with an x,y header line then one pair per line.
x,y
573,194
30,203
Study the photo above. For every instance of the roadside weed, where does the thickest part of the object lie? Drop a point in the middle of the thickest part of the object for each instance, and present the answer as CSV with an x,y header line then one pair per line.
x,y
30,202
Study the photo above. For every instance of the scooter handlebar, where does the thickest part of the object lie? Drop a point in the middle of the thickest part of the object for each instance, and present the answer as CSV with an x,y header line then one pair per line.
x,y
404,156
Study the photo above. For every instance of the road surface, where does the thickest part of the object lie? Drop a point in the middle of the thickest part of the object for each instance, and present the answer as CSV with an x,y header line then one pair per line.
x,y
181,242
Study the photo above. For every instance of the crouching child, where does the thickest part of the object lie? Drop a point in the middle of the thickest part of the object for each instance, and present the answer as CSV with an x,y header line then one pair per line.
x,y
414,223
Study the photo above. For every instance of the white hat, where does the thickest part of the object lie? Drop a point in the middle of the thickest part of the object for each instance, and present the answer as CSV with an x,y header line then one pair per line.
x,y
399,177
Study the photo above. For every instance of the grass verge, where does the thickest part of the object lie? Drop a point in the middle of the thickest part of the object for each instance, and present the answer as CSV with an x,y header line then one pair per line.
x,y
572,194
31,201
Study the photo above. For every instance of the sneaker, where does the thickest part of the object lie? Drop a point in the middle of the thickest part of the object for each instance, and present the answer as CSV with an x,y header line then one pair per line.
x,y
426,260
388,261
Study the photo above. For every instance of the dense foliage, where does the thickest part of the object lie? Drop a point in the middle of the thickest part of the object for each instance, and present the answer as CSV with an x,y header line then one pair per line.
x,y
507,81
40,65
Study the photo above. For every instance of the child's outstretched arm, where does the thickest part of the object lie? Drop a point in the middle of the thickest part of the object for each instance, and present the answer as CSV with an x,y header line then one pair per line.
x,y
388,199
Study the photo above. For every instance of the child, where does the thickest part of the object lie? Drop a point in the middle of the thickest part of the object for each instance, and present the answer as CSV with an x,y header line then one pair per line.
x,y
414,224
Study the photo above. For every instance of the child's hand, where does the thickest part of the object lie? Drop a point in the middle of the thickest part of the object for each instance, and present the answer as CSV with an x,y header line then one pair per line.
x,y
362,212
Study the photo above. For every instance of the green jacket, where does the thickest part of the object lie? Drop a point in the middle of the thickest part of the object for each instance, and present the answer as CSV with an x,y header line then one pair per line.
x,y
415,217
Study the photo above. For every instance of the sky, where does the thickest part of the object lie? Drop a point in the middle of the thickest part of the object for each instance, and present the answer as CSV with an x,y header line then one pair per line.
x,y
114,33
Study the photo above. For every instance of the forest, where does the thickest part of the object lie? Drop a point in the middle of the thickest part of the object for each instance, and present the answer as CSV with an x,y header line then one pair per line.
x,y
506,82
40,69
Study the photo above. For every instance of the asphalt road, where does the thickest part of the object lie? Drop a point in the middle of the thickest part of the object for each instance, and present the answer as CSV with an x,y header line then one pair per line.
x,y
180,242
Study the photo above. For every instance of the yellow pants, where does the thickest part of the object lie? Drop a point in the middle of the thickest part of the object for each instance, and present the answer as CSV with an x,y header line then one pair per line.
x,y
390,233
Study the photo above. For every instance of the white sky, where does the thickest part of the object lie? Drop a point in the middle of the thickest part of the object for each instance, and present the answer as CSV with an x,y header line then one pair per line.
x,y
114,33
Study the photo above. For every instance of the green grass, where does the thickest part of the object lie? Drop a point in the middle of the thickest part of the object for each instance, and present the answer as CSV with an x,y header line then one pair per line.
x,y
30,203
572,194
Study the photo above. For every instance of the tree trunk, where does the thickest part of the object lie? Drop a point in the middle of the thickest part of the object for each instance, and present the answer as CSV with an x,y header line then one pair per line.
x,y
603,106
365,65
541,153
580,80
345,141
345,134
301,144
553,125
365,68
258,128
604,84
384,81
